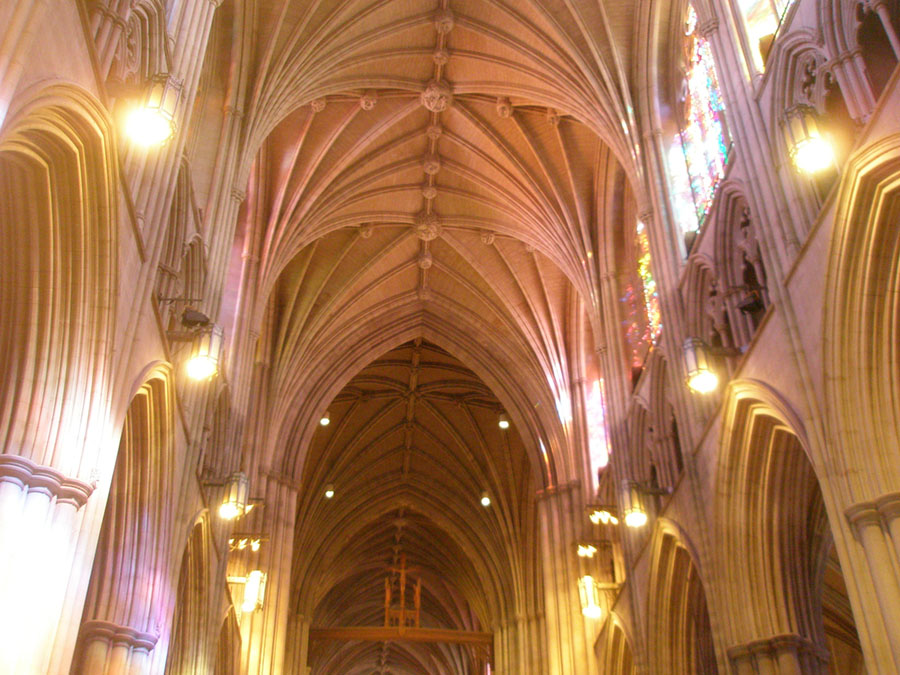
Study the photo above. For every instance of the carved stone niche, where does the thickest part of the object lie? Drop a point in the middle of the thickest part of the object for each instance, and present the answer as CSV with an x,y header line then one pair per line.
x,y
437,97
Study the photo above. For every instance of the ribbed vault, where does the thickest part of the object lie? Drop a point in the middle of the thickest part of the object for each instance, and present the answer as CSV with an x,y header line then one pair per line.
x,y
413,442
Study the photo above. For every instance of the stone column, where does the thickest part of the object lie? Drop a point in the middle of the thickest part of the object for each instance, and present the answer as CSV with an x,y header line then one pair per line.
x,y
568,638
264,632
41,563
870,529
787,654
18,25
110,649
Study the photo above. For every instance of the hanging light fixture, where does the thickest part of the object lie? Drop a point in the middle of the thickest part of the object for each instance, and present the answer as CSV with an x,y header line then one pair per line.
x,y
254,591
586,550
207,350
485,499
809,150
237,493
603,516
152,121
329,491
700,375
326,419
632,505
590,597
503,421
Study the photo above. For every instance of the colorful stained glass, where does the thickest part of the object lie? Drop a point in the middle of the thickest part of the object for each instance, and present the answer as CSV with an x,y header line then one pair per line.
x,y
649,291
703,138
598,438
643,322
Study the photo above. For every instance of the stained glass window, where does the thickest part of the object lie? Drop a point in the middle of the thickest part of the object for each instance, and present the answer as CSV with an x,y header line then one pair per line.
x,y
696,170
598,440
643,323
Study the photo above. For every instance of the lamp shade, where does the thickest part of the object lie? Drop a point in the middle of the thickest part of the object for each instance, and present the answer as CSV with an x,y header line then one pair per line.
x,y
632,505
809,149
152,121
206,353
590,598
700,376
254,591
237,493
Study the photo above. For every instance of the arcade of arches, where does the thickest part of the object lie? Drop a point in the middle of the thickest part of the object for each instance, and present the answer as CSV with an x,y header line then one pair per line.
x,y
452,265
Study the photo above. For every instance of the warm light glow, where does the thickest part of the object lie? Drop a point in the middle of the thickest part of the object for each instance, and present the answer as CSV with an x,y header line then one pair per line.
x,y
703,381
503,422
329,491
485,499
254,589
326,419
636,519
590,598
586,551
229,511
148,127
242,544
237,492
603,516
813,154
254,545
204,361
201,367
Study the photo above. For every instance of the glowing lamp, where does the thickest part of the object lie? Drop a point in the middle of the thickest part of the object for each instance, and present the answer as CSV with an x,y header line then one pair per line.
x,y
207,351
152,121
632,506
485,499
599,516
326,419
503,421
254,591
700,375
586,550
254,545
329,491
237,492
809,150
590,598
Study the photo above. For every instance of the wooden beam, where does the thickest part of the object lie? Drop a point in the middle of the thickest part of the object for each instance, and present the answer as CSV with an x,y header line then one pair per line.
x,y
401,634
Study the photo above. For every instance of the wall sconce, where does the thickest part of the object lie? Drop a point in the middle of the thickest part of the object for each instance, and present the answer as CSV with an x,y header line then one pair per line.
x,y
701,377
237,497
808,149
206,353
241,542
633,504
152,121
589,591
603,515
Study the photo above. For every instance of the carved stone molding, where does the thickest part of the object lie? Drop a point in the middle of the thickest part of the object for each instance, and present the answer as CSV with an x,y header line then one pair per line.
x,y
111,633
428,226
317,105
504,107
47,480
774,645
368,100
437,97
431,164
444,21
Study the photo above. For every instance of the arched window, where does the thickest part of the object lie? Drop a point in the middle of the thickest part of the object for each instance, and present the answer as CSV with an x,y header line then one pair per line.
x,y
699,151
643,323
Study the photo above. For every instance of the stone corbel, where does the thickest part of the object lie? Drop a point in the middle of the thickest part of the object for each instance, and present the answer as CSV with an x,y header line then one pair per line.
x,y
114,634
31,477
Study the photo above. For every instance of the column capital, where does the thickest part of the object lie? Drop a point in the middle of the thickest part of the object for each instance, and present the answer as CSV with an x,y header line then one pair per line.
x,y
45,479
888,506
863,514
557,490
111,633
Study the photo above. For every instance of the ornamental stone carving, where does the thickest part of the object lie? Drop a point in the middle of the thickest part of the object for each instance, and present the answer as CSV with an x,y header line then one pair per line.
x,y
431,164
487,237
504,107
429,191
317,105
367,101
437,96
425,260
444,21
428,226
434,131
440,56
553,116
365,230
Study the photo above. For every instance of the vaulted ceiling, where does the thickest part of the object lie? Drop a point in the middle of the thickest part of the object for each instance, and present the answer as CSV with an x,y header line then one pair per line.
x,y
433,189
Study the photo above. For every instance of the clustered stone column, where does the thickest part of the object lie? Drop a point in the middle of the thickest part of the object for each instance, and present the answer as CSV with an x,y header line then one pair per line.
x,y
779,655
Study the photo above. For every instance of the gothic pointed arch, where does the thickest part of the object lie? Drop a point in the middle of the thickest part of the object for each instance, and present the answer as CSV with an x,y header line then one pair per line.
x,y
187,650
